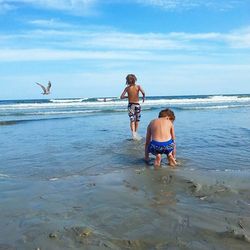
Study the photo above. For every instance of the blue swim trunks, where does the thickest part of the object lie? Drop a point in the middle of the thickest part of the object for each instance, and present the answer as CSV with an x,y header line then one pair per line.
x,y
165,147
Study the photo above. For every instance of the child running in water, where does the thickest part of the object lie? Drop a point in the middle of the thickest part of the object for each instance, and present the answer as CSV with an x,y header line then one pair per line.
x,y
134,109
160,138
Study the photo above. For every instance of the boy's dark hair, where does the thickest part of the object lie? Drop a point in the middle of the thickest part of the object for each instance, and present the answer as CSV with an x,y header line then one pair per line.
x,y
167,113
131,79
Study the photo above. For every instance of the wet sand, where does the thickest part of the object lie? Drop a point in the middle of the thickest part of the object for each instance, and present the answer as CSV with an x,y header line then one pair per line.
x,y
128,209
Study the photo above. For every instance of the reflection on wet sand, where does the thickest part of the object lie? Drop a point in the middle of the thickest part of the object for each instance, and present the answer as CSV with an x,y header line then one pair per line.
x,y
132,209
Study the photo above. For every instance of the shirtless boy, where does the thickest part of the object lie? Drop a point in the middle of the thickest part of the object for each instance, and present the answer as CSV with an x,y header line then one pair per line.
x,y
132,92
160,138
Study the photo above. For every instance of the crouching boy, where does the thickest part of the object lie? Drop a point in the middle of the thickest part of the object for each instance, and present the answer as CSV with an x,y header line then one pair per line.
x,y
160,138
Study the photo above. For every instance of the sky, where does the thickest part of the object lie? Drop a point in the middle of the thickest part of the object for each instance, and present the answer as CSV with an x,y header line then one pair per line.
x,y
87,47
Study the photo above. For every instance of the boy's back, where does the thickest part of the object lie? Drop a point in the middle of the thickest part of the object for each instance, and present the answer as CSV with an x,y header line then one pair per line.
x,y
161,129
133,93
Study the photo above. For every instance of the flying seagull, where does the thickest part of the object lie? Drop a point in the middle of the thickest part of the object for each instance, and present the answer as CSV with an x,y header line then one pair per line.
x,y
46,91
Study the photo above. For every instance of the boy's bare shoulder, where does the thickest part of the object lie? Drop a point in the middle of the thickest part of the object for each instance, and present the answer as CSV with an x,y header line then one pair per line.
x,y
153,121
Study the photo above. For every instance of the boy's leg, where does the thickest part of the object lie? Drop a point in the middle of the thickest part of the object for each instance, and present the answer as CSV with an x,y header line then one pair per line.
x,y
137,116
136,125
132,117
132,126
157,162
171,160
138,137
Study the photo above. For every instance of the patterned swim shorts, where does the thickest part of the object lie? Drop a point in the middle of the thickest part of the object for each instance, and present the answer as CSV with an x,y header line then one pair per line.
x,y
156,147
134,112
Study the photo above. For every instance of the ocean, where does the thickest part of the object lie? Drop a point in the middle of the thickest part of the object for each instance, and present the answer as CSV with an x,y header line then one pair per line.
x,y
72,178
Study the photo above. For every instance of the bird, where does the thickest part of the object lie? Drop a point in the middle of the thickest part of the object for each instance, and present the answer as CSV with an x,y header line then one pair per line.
x,y
46,91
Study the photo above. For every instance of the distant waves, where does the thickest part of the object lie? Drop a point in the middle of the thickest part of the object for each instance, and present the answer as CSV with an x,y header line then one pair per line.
x,y
12,111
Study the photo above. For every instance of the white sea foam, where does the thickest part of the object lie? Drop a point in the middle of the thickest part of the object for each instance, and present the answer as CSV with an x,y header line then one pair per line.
x,y
67,100
115,102
104,99
210,99
54,179
4,176
64,112
26,106
219,106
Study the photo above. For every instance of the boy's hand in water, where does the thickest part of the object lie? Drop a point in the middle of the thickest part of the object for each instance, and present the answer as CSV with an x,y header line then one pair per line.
x,y
146,159
174,151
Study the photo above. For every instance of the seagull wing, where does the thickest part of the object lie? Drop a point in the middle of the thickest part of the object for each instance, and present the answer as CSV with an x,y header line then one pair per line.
x,y
44,89
49,86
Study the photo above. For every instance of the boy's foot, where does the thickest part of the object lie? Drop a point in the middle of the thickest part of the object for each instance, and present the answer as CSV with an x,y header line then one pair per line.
x,y
138,137
172,160
157,162
135,136
157,165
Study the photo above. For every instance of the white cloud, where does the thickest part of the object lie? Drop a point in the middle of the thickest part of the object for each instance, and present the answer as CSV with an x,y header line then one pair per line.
x,y
5,6
239,38
55,34
9,55
89,7
50,24
76,6
55,40
191,4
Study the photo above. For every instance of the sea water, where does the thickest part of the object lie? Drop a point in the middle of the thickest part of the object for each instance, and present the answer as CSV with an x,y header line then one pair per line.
x,y
54,153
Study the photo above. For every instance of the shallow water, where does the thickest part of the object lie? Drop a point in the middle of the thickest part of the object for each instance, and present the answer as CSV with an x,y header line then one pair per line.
x,y
60,177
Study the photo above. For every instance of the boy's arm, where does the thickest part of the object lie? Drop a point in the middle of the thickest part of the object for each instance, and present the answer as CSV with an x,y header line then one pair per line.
x,y
172,132
143,93
123,94
148,139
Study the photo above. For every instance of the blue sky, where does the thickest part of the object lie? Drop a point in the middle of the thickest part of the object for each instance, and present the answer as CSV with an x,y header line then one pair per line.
x,y
87,47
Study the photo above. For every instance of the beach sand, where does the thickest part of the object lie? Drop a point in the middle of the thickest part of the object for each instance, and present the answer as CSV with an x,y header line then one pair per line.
x,y
129,209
